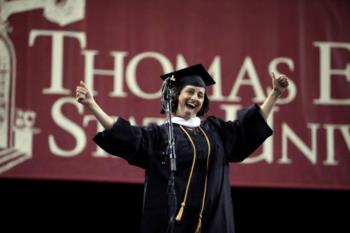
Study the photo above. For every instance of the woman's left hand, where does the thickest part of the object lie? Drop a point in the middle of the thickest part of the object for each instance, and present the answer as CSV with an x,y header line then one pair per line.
x,y
279,83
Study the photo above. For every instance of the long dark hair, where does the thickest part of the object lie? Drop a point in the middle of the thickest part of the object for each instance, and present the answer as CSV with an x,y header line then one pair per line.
x,y
175,93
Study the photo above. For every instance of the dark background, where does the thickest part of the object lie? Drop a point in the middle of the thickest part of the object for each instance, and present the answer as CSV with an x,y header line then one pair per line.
x,y
109,207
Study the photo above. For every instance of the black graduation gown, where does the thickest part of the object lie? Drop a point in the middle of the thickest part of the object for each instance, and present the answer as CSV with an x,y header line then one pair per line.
x,y
145,147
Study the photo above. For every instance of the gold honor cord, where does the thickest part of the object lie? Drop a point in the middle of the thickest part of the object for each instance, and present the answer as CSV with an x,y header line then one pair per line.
x,y
183,204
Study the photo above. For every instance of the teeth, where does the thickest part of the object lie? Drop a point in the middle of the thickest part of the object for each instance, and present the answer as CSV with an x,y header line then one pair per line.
x,y
191,105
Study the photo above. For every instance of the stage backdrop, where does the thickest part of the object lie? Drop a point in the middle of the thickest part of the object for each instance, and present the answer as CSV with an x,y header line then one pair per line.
x,y
121,47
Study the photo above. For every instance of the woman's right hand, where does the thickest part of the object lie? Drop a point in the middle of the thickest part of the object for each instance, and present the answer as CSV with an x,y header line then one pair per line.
x,y
83,95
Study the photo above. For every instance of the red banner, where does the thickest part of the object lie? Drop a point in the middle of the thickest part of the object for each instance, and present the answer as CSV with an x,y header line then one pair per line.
x,y
120,48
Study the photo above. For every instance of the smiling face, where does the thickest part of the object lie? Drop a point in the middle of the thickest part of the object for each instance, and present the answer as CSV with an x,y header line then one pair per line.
x,y
190,101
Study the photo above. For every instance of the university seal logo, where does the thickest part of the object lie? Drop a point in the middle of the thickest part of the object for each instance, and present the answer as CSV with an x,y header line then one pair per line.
x,y
17,126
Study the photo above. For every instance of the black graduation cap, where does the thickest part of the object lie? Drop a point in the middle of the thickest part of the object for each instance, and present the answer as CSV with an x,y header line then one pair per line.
x,y
195,75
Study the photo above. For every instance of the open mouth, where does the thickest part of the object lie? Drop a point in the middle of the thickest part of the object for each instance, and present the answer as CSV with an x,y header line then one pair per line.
x,y
191,105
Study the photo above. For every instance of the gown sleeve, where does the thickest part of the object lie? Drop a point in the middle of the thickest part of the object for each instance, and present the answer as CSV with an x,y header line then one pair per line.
x,y
243,136
133,143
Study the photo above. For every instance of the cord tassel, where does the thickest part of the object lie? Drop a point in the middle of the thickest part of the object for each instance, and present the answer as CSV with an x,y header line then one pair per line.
x,y
181,211
199,225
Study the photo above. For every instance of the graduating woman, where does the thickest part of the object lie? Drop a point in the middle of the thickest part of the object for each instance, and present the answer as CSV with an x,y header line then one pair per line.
x,y
204,145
